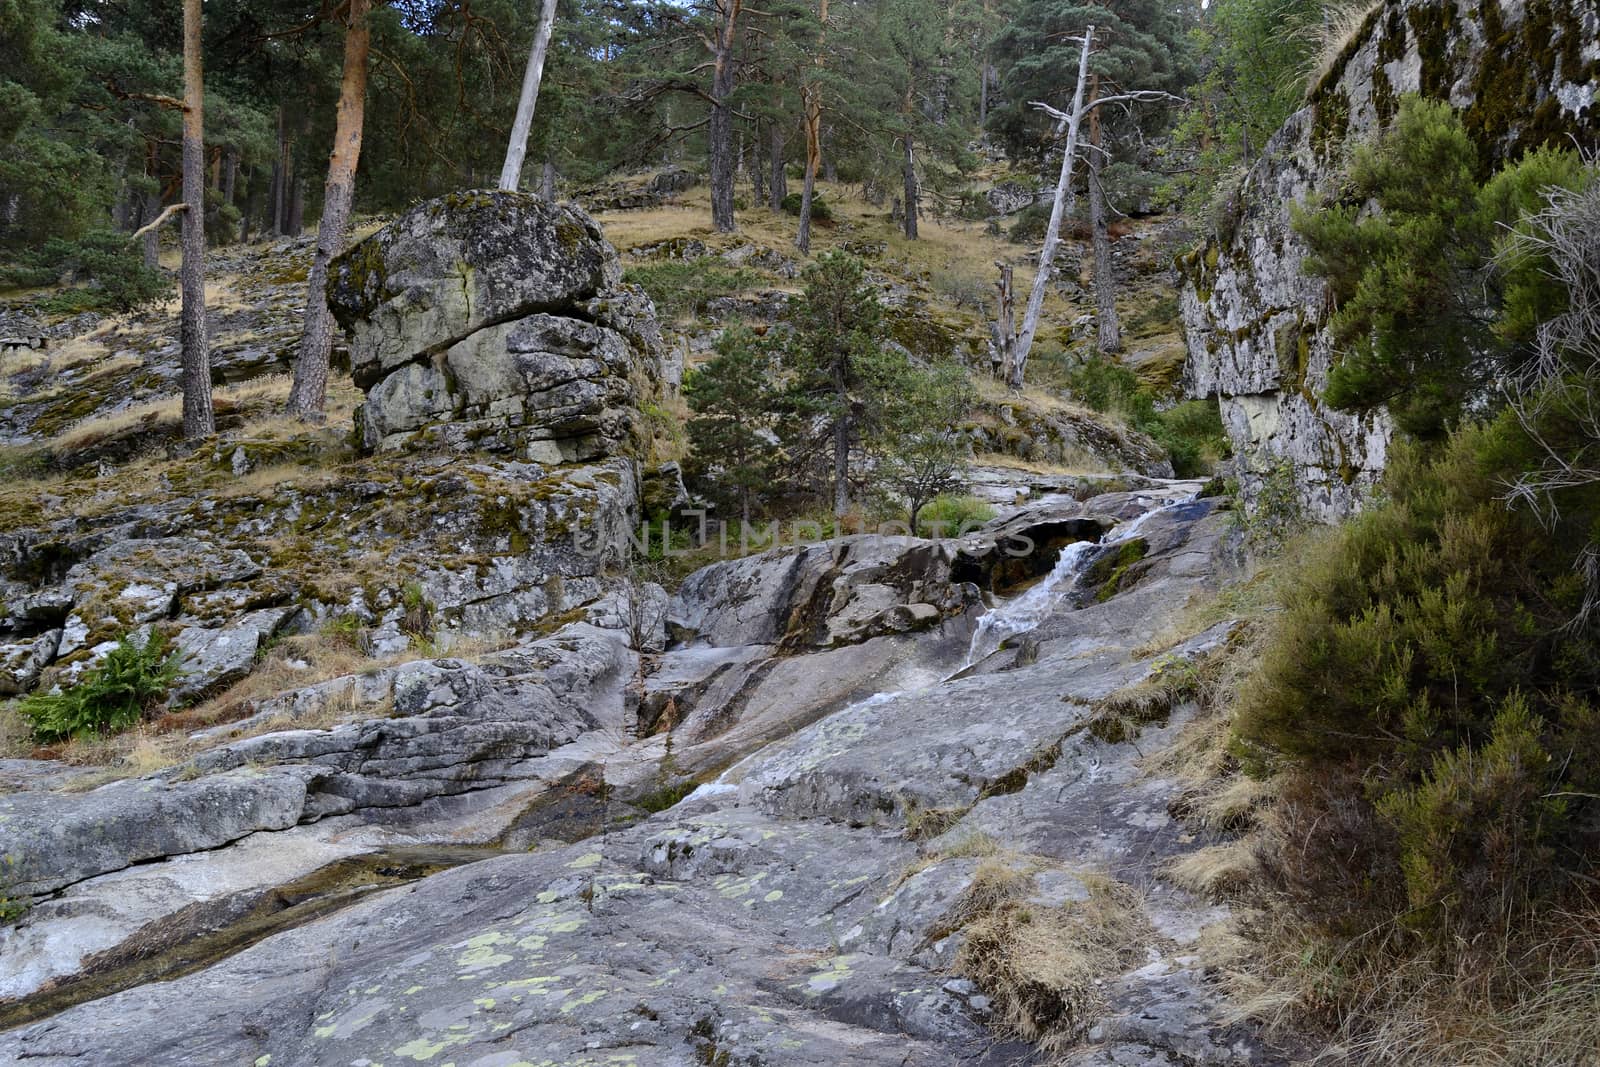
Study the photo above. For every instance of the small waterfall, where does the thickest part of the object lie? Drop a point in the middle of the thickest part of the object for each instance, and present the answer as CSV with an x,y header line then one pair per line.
x,y
1027,611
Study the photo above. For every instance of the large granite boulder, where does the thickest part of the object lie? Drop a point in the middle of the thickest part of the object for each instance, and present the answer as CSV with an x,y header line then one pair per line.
x,y
496,321
1523,74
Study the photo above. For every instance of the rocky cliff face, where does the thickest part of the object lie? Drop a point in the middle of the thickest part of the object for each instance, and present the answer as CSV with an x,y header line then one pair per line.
x,y
1523,72
496,321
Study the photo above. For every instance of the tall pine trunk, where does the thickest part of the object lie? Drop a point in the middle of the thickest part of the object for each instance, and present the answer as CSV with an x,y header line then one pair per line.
x,y
280,181
198,418
150,243
1105,283
908,175
778,184
811,96
297,207
309,391
511,171
230,176
721,126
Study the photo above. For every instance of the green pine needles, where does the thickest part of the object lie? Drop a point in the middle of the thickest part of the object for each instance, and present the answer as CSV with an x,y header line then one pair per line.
x,y
1433,303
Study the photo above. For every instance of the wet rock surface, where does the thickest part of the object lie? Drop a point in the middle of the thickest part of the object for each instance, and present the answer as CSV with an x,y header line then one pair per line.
x,y
794,909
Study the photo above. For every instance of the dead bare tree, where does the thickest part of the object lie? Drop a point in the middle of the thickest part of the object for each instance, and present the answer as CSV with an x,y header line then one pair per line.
x,y
1014,350
1560,387
511,172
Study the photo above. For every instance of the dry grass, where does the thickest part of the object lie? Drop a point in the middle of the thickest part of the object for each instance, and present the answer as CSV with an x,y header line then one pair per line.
x,y
1084,464
1215,872
16,741
1342,21
946,247
1042,966
1547,1011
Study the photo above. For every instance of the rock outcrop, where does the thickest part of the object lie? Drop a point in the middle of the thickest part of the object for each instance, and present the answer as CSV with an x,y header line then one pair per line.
x,y
505,366
808,906
496,321
1523,72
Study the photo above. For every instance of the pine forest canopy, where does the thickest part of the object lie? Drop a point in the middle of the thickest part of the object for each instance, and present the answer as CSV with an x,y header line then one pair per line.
x,y
896,97
89,133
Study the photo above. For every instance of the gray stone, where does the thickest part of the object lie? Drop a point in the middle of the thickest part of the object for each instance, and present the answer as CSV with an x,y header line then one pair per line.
x,y
830,593
497,322
450,267
1256,323
217,657
51,841
22,661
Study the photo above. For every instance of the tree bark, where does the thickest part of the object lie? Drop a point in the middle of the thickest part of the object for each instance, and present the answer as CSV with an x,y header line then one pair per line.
x,y
721,125
1105,282
547,181
909,174
309,392
198,418
841,465
150,243
1002,351
778,184
230,176
1058,211
280,181
297,207
511,171
811,95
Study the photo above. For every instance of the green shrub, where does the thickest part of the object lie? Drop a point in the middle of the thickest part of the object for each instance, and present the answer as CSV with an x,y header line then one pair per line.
x,y
118,278
1030,224
820,211
1190,431
1193,436
954,513
1415,284
112,696
11,909
1433,692
680,288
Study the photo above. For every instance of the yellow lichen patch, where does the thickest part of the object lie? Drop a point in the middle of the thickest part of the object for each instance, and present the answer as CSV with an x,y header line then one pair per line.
x,y
834,974
422,1049
480,952
587,998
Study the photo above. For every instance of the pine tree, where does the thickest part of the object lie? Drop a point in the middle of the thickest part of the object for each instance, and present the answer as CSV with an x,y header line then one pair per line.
x,y
917,450
839,367
730,433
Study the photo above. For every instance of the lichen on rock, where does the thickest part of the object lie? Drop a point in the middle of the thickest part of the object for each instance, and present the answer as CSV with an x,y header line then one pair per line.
x,y
1523,74
495,321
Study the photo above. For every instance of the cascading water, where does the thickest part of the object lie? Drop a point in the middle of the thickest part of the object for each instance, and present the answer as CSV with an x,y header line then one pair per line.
x,y
1009,619
1027,611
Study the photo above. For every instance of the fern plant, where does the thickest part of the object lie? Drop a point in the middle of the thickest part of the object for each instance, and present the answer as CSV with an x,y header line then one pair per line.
x,y
112,696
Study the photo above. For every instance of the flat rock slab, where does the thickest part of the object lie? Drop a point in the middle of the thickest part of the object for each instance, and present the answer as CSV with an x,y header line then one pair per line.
x,y
779,916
